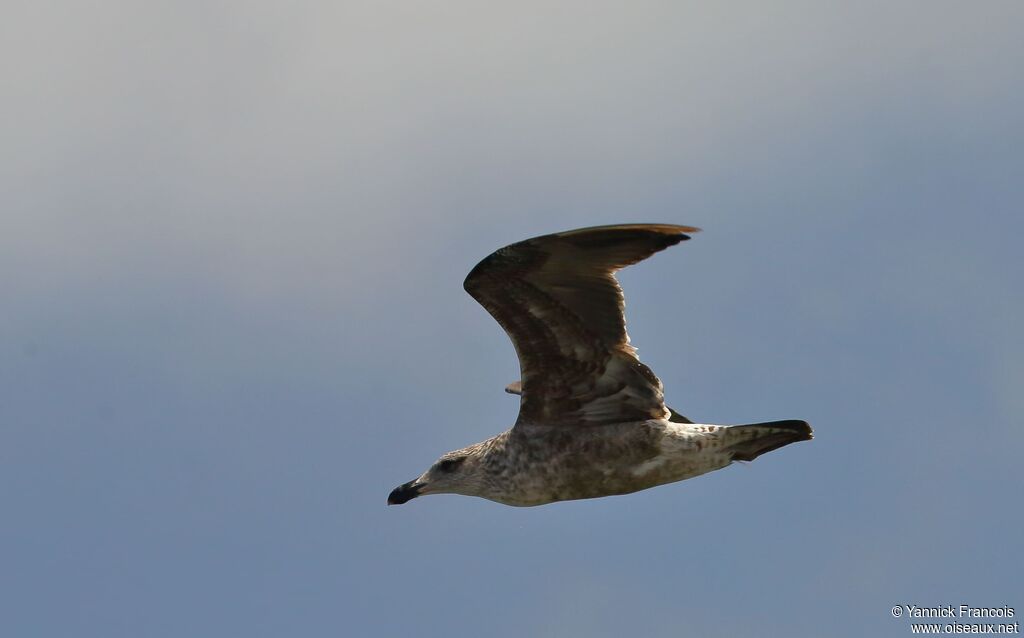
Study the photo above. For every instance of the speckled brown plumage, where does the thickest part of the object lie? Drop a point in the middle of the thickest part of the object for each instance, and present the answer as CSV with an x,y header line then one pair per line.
x,y
592,419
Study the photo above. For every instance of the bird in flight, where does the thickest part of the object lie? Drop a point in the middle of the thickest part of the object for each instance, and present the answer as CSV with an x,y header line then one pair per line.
x,y
592,418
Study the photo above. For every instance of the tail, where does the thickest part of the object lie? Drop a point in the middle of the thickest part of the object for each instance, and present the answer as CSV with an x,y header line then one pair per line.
x,y
751,441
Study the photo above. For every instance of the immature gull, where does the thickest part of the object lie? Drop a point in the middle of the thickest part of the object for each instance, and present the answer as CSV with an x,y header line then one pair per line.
x,y
592,418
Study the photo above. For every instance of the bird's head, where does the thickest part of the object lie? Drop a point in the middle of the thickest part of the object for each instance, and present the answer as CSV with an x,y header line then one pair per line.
x,y
458,472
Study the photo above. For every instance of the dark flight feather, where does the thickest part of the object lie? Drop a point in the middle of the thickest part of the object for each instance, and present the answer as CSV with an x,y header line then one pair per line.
x,y
557,298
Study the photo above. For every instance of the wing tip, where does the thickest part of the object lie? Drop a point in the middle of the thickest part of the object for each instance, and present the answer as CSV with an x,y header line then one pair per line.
x,y
657,237
664,229
663,236
678,235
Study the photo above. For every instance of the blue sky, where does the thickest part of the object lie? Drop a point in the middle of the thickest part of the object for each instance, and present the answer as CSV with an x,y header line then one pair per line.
x,y
233,236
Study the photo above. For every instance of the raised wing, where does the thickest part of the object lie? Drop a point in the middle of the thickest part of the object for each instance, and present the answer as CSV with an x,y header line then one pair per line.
x,y
557,298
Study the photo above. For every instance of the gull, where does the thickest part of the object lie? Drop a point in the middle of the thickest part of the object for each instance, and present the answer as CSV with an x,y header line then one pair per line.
x,y
592,418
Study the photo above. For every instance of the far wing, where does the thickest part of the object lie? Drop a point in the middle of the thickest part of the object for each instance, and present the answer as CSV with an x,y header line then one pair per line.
x,y
516,387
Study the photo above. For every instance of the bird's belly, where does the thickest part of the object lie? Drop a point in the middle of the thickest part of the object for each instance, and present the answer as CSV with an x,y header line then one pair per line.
x,y
671,468
611,469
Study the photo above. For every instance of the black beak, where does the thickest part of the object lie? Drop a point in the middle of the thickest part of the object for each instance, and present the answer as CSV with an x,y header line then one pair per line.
x,y
404,493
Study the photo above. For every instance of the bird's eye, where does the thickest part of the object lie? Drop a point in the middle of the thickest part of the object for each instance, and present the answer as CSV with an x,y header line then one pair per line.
x,y
449,465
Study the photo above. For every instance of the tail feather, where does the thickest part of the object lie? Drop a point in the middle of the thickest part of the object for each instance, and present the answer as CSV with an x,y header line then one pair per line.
x,y
757,438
